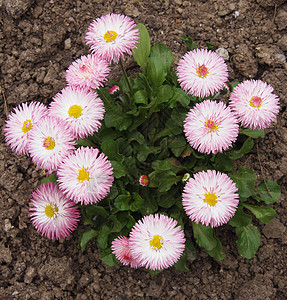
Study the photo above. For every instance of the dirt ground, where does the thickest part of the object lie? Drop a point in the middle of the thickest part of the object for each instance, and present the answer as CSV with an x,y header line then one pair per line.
x,y
39,40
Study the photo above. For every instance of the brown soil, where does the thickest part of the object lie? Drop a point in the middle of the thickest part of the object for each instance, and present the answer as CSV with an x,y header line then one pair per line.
x,y
39,40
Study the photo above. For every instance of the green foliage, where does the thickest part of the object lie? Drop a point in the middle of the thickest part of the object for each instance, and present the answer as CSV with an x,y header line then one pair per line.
x,y
142,134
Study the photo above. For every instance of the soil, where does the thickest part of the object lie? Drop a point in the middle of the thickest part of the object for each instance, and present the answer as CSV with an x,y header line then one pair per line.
x,y
39,40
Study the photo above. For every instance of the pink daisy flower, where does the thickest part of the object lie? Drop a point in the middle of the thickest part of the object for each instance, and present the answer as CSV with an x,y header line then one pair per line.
x,y
50,142
86,176
80,108
211,127
202,73
112,36
19,124
210,198
156,242
144,180
88,71
121,249
53,215
254,104
114,89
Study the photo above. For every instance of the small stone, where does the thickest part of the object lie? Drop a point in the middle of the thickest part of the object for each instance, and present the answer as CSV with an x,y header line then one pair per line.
x,y
17,8
5,254
30,274
282,43
268,54
274,229
223,53
281,18
7,225
68,44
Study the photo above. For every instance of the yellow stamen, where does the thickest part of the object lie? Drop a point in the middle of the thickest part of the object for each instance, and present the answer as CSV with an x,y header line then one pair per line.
x,y
202,71
75,111
83,174
51,210
156,242
255,101
27,125
49,143
211,125
110,36
210,198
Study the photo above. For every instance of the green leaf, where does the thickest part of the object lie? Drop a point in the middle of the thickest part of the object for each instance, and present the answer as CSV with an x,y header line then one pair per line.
x,y
167,200
216,252
86,142
111,149
137,203
167,180
85,237
117,224
161,53
209,46
179,96
204,236
163,94
156,72
122,202
263,213
140,96
269,194
50,178
246,148
142,51
240,218
253,133
108,257
177,145
245,181
150,206
191,45
119,170
248,240
102,241
223,162
116,118
181,264
92,210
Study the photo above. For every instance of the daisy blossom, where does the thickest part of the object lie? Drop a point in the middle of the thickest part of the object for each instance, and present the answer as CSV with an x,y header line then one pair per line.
x,y
254,104
53,215
144,180
202,73
211,127
19,124
88,71
210,198
121,249
111,36
156,242
50,141
80,108
86,176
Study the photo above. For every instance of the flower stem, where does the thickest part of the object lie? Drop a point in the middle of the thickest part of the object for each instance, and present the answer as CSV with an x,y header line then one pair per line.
x,y
104,98
126,76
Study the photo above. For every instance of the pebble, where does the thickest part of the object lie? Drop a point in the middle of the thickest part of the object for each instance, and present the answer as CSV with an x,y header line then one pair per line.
x,y
274,229
17,8
68,44
223,53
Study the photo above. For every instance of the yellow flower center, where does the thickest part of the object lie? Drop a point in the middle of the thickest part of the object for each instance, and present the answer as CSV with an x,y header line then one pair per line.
x,y
210,198
202,71
49,143
156,242
255,101
83,174
75,111
27,125
110,36
51,210
211,125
